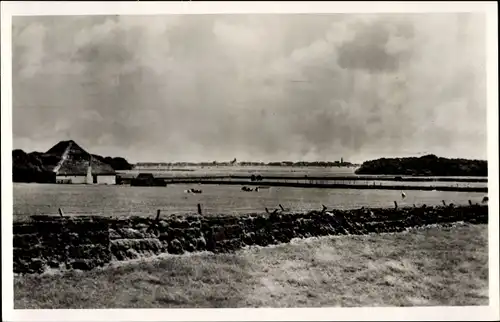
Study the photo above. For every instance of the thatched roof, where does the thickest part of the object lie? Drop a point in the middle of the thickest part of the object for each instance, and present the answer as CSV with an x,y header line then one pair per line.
x,y
68,158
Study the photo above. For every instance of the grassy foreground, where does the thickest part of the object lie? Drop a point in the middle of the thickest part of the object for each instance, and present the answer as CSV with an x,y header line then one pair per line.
x,y
435,266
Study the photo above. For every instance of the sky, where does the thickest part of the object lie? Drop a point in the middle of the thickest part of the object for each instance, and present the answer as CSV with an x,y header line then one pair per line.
x,y
252,87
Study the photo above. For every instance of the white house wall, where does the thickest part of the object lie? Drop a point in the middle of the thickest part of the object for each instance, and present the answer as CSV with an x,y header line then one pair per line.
x,y
110,179
106,179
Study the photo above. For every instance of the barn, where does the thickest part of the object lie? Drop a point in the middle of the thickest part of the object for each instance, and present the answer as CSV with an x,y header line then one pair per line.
x,y
77,166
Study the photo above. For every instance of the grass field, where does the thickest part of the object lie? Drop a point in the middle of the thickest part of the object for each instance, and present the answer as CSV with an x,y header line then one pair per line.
x,y
31,199
428,267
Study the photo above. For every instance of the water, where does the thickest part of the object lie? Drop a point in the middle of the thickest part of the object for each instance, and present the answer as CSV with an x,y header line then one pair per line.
x,y
244,170
263,170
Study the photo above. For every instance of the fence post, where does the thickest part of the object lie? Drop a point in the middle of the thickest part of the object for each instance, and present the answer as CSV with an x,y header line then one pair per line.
x,y
158,214
199,210
61,213
444,203
395,204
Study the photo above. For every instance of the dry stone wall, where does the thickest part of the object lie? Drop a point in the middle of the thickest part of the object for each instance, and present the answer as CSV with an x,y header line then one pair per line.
x,y
58,242
86,242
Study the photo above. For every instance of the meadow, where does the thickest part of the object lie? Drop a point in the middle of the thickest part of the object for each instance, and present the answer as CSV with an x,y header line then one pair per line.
x,y
116,200
424,267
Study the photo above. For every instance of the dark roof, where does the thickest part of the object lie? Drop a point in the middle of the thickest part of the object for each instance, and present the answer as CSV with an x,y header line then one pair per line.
x,y
62,146
68,158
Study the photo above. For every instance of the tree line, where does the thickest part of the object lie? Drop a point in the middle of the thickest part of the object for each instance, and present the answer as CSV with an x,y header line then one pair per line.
x,y
428,165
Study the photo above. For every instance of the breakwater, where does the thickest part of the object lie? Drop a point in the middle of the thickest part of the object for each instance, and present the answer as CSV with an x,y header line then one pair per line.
x,y
308,184
86,242
328,178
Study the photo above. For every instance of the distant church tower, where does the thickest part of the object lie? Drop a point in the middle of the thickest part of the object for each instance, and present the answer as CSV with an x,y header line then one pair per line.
x,y
89,179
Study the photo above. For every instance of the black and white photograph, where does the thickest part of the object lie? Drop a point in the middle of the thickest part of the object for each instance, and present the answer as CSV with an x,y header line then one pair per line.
x,y
250,159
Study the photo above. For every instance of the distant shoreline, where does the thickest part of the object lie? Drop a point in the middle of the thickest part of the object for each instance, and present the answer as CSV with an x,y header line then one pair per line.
x,y
38,167
148,165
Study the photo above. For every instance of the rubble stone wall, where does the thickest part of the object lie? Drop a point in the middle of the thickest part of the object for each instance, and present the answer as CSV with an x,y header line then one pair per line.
x,y
86,242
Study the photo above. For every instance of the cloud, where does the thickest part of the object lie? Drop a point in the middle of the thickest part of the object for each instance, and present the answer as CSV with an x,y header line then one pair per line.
x,y
268,87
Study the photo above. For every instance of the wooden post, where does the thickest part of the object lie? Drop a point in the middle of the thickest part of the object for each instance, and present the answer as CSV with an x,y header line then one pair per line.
x,y
470,202
61,213
158,214
444,203
395,204
199,210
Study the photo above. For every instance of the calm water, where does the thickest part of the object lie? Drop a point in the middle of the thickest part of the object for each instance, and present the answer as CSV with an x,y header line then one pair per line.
x,y
235,170
298,172
30,199
264,170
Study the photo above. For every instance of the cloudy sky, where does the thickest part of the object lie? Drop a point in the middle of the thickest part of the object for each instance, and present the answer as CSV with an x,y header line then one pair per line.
x,y
254,87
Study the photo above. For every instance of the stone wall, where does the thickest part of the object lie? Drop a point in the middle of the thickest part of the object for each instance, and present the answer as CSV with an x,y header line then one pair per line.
x,y
88,242
61,242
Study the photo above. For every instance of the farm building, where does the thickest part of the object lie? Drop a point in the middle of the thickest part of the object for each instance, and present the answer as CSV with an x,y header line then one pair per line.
x,y
74,165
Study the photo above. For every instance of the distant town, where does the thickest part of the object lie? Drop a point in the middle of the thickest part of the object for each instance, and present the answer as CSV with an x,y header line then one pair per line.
x,y
340,163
